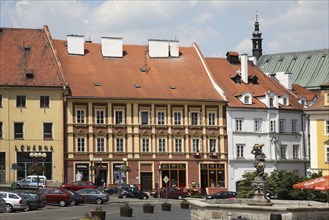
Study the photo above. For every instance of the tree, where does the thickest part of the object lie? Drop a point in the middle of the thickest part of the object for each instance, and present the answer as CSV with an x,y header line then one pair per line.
x,y
280,182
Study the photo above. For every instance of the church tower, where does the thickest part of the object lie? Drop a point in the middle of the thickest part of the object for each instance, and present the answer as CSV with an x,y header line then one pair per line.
x,y
257,40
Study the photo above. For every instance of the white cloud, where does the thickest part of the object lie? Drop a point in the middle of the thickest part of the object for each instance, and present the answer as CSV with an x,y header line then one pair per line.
x,y
217,26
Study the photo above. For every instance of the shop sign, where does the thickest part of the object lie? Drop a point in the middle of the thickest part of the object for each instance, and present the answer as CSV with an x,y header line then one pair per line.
x,y
34,148
81,166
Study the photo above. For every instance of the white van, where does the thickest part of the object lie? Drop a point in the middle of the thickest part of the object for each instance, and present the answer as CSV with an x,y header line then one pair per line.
x,y
32,182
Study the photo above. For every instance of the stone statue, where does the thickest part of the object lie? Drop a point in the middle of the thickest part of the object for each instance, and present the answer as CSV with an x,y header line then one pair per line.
x,y
259,162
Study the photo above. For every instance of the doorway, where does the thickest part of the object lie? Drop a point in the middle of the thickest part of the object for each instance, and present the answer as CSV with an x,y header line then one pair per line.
x,y
146,181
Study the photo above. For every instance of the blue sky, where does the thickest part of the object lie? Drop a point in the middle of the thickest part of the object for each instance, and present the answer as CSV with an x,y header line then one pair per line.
x,y
216,26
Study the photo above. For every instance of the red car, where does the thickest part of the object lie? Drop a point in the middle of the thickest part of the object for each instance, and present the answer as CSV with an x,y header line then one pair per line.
x,y
172,193
79,185
57,195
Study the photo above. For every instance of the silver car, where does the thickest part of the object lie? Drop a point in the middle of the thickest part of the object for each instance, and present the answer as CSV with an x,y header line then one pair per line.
x,y
13,201
94,196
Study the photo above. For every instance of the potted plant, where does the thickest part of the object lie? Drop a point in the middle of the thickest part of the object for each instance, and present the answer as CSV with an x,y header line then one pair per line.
x,y
166,206
99,213
88,217
185,204
126,210
148,208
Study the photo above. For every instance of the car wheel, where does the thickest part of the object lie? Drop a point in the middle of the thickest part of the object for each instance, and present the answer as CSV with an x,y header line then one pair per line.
x,y
179,197
99,201
18,186
145,197
28,208
74,202
9,208
124,196
62,203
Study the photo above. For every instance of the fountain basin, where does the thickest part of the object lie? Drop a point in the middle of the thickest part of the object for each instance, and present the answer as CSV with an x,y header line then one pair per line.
x,y
239,209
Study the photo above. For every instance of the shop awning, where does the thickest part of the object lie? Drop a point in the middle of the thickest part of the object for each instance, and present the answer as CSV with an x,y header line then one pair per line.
x,y
319,184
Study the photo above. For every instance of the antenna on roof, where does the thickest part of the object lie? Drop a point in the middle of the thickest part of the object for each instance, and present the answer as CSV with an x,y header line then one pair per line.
x,y
256,15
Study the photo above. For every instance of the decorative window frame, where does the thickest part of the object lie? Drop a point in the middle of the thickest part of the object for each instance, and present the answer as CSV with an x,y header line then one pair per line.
x,y
192,114
97,142
116,142
196,145
245,96
180,112
149,116
78,138
162,111
213,121
123,119
149,147
181,140
103,118
84,118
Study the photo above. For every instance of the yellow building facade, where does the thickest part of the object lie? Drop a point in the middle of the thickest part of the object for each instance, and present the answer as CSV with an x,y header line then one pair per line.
x,y
319,132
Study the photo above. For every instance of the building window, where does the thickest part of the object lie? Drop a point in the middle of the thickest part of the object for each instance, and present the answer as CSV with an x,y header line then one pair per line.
x,y
327,127
211,118
215,174
272,126
283,151
145,144
282,125
258,125
44,101
47,130
240,150
21,101
100,115
119,117
195,118
195,145
145,118
18,130
119,144
285,101
100,144
295,152
238,124
327,154
177,118
81,144
212,145
162,145
178,144
161,118
80,116
247,99
271,102
1,129
293,126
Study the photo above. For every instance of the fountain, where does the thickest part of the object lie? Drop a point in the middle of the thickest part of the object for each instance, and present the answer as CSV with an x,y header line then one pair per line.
x,y
259,207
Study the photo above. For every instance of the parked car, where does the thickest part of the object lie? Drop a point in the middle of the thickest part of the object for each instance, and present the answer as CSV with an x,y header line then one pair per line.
x,y
14,201
79,185
34,199
132,192
94,196
76,198
31,182
172,193
2,206
57,195
112,190
222,195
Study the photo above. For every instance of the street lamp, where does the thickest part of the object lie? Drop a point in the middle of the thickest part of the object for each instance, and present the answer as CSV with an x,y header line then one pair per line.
x,y
97,162
160,166
36,157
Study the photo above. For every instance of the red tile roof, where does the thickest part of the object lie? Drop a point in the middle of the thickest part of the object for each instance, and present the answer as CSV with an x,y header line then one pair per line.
x,y
223,71
301,91
117,77
319,105
25,51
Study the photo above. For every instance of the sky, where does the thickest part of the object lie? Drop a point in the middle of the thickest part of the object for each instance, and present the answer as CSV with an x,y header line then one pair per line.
x,y
216,26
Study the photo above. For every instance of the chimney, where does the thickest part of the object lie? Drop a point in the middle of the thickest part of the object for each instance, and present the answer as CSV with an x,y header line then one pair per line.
x,y
285,79
75,44
174,49
158,48
112,47
244,67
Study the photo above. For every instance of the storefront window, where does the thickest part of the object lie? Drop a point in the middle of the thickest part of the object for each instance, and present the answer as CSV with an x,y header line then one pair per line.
x,y
81,172
212,175
119,177
176,174
24,161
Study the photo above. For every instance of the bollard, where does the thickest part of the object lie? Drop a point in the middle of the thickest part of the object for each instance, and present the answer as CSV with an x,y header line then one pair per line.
x,y
276,217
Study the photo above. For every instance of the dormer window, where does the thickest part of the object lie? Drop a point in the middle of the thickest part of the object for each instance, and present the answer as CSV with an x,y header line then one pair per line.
x,y
247,99
236,79
232,57
271,101
284,100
